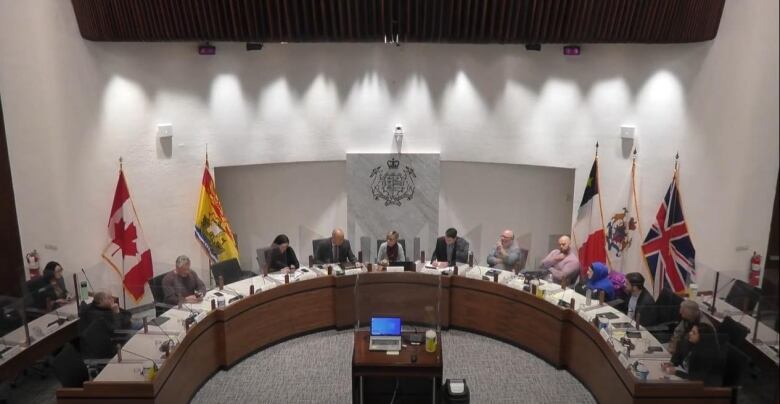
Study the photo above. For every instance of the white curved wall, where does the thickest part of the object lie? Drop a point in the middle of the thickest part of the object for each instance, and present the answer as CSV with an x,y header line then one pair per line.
x,y
72,107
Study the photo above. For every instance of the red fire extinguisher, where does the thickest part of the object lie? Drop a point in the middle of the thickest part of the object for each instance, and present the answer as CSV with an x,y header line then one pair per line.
x,y
755,269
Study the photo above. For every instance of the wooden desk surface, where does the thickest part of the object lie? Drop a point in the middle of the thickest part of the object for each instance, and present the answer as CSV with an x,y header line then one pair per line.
x,y
559,336
366,363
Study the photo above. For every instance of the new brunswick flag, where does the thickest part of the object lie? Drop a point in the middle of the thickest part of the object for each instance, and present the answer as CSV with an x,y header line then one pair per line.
x,y
211,224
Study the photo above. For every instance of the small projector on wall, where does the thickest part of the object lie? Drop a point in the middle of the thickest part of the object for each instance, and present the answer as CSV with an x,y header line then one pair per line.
x,y
571,50
207,49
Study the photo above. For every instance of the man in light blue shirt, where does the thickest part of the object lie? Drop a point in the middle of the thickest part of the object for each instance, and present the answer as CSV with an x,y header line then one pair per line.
x,y
505,254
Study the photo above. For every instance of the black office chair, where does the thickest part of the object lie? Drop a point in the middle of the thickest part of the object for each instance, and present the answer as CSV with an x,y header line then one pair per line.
x,y
69,367
97,341
667,308
155,286
735,331
743,296
401,241
315,245
230,271
734,370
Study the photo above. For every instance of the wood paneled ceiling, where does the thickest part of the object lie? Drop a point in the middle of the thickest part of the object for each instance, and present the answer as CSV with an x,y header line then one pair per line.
x,y
437,21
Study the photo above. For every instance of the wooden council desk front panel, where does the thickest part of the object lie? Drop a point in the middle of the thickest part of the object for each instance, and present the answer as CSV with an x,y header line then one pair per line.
x,y
558,336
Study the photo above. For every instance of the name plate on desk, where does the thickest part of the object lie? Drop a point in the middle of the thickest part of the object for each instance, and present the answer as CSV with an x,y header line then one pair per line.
x,y
353,271
11,352
394,269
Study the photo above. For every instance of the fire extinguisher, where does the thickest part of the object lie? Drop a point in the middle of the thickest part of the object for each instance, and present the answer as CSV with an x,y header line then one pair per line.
x,y
33,264
755,269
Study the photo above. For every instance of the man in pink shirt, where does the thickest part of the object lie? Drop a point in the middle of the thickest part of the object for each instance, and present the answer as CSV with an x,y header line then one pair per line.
x,y
562,262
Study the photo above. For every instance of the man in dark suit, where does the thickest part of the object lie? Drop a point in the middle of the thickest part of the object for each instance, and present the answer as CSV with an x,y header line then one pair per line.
x,y
450,249
338,250
640,301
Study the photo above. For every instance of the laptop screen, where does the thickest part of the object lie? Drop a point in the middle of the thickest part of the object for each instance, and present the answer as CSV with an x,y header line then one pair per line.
x,y
385,326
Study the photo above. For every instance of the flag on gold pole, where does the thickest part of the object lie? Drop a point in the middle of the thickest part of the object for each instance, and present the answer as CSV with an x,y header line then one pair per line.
x,y
624,232
211,225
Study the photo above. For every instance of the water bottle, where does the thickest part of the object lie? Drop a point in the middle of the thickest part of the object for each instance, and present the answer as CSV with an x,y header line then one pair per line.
x,y
83,292
588,295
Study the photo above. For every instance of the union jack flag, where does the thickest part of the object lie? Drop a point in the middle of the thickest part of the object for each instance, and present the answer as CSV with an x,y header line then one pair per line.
x,y
668,248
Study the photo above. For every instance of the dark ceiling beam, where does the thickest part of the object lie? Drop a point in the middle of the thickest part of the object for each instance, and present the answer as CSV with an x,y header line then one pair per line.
x,y
438,21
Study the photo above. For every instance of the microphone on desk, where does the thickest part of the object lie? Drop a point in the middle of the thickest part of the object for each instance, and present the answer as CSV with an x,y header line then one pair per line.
x,y
121,349
167,345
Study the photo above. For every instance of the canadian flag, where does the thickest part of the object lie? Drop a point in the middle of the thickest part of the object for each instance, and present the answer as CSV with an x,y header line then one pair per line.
x,y
127,252
589,227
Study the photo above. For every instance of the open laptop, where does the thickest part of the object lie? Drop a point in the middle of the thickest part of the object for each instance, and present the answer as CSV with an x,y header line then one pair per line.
x,y
385,334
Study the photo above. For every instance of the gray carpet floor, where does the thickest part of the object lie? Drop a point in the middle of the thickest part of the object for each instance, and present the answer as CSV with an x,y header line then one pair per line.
x,y
317,369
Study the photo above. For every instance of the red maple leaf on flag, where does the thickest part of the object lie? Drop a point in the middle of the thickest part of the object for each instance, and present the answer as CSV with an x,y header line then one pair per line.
x,y
125,238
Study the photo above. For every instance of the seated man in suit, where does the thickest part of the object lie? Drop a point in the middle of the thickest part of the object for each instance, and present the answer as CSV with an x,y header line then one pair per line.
x,y
182,283
450,249
562,262
506,253
338,250
640,301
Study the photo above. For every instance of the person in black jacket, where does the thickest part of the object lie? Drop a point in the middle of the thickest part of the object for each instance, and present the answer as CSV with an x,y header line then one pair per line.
x,y
282,256
640,302
99,323
337,251
450,249
699,357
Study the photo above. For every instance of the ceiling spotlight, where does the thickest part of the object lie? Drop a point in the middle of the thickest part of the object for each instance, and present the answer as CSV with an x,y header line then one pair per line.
x,y
254,46
533,47
207,49
571,50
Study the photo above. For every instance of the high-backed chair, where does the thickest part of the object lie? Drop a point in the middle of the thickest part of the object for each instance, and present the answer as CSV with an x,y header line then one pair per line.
x,y
401,241
743,296
69,367
264,259
315,245
667,308
734,370
155,286
229,270
523,260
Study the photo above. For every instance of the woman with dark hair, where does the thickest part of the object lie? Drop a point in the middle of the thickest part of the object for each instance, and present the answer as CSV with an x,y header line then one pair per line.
x,y
698,357
52,275
282,256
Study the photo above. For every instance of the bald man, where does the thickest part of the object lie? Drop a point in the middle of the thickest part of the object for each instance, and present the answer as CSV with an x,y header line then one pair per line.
x,y
505,254
562,262
337,251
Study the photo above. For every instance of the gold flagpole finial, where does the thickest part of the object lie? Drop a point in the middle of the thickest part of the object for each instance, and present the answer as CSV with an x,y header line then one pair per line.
x,y
597,148
120,163
207,153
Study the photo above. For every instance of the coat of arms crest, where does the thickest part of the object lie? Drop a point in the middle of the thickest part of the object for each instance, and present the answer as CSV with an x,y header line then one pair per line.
x,y
620,230
394,184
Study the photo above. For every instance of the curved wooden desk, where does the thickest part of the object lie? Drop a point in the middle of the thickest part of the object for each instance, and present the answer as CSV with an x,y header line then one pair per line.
x,y
559,336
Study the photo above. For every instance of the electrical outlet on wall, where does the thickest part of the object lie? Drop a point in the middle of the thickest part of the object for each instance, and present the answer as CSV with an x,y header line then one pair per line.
x,y
51,247
741,248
